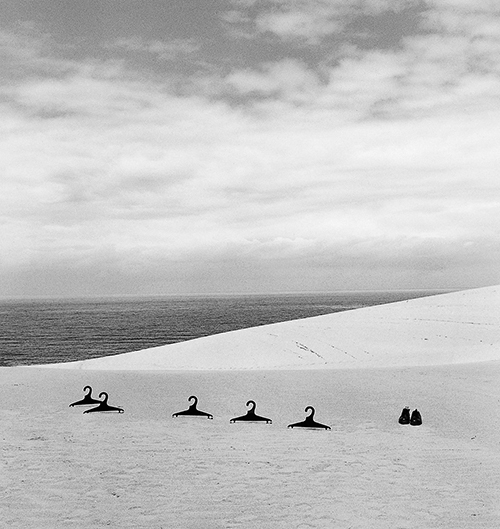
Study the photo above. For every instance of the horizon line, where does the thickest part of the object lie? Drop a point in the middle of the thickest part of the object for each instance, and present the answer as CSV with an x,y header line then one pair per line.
x,y
221,294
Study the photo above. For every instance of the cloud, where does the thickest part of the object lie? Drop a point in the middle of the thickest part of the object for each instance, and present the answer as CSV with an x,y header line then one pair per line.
x,y
289,79
376,170
164,50
299,22
450,64
307,21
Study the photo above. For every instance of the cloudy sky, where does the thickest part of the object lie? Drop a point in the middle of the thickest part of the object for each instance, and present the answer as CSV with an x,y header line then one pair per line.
x,y
205,146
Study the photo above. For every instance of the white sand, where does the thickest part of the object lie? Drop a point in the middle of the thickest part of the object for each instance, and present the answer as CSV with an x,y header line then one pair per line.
x,y
143,468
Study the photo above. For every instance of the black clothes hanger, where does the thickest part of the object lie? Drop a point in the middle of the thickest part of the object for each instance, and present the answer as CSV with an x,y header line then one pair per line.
x,y
192,410
309,422
103,405
251,415
88,399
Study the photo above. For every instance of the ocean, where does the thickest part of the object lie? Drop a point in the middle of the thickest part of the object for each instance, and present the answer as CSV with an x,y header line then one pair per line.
x,y
62,330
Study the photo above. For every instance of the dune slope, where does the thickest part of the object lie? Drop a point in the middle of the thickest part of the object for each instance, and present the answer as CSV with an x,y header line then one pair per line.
x,y
146,469
455,328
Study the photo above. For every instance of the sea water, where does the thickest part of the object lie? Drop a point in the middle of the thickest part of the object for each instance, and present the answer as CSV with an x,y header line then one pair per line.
x,y
63,330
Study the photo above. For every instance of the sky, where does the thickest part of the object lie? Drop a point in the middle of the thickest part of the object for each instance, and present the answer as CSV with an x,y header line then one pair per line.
x,y
153,147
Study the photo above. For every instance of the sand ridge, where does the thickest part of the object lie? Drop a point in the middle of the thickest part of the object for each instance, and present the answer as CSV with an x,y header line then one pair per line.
x,y
459,327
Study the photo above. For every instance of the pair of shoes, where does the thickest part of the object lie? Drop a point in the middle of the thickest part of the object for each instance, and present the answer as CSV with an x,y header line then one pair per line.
x,y
415,419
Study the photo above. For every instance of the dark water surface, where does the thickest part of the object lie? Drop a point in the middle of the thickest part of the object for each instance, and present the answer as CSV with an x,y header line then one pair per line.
x,y
47,331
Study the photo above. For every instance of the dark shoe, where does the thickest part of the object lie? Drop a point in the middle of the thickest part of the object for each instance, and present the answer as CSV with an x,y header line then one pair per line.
x,y
416,418
404,418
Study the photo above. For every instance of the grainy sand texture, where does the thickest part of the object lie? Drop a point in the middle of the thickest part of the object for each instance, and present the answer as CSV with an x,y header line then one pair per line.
x,y
144,468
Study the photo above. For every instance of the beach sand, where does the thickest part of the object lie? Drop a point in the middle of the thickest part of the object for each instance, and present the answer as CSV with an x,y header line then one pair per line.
x,y
143,468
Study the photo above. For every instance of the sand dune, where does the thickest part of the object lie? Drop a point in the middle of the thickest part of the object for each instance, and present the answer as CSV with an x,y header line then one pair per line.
x,y
444,329
146,469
